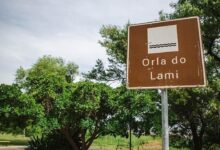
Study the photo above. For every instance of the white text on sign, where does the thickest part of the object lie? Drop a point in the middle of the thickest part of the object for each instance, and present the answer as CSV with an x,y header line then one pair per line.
x,y
150,63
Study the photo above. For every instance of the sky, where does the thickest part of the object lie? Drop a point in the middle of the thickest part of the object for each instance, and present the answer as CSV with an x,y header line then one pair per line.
x,y
30,29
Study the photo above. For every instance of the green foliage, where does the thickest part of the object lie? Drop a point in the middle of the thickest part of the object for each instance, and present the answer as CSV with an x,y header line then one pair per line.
x,y
18,110
195,112
136,110
115,42
133,109
70,109
46,82
115,72
91,105
208,11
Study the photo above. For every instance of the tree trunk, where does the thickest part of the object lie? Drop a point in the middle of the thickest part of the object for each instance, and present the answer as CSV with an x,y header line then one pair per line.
x,y
197,143
91,139
197,139
69,139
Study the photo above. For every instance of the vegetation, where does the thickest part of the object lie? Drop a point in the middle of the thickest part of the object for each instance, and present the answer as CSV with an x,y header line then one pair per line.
x,y
195,112
70,109
120,142
18,110
103,142
137,110
55,111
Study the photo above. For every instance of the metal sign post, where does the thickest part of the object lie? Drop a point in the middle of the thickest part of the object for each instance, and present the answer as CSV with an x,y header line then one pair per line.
x,y
165,126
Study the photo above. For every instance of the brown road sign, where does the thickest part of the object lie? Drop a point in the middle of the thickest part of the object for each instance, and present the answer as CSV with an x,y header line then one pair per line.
x,y
165,54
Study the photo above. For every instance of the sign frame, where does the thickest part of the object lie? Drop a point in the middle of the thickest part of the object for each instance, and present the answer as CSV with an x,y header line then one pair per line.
x,y
167,86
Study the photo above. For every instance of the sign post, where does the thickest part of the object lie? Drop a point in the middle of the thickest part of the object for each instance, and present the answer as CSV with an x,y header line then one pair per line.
x,y
166,54
165,125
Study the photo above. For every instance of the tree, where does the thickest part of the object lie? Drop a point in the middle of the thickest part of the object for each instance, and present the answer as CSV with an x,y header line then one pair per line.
x,y
17,110
196,111
77,111
115,42
46,80
135,109
89,111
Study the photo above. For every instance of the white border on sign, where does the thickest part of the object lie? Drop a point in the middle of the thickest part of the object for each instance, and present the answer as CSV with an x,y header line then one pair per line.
x,y
170,86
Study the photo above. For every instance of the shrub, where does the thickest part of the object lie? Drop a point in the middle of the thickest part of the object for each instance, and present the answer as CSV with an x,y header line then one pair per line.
x,y
52,141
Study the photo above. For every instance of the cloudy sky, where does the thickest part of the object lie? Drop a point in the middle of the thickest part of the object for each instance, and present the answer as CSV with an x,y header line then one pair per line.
x,y
69,29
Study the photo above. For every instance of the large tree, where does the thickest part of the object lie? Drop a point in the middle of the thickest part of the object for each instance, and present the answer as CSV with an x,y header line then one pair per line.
x,y
77,111
135,110
195,113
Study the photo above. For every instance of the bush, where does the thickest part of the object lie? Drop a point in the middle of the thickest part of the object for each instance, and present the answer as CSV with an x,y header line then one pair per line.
x,y
52,141
179,141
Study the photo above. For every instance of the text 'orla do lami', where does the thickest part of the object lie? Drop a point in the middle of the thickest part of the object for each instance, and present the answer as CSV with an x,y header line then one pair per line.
x,y
151,63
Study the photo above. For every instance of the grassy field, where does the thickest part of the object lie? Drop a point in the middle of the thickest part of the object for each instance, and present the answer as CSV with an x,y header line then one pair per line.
x,y
110,142
142,143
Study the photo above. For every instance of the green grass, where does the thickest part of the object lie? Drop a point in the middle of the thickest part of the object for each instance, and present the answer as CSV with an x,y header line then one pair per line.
x,y
142,143
110,142
10,139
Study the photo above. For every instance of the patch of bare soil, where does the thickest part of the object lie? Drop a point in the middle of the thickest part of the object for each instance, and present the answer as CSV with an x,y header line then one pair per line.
x,y
13,147
154,145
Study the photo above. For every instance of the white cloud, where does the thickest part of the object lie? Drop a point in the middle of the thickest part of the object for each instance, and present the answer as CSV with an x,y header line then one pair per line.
x,y
67,28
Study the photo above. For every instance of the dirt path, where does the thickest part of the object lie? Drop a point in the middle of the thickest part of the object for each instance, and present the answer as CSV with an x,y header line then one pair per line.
x,y
154,145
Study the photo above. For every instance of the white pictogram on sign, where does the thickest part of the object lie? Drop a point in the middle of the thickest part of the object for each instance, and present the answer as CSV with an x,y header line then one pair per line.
x,y
162,39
